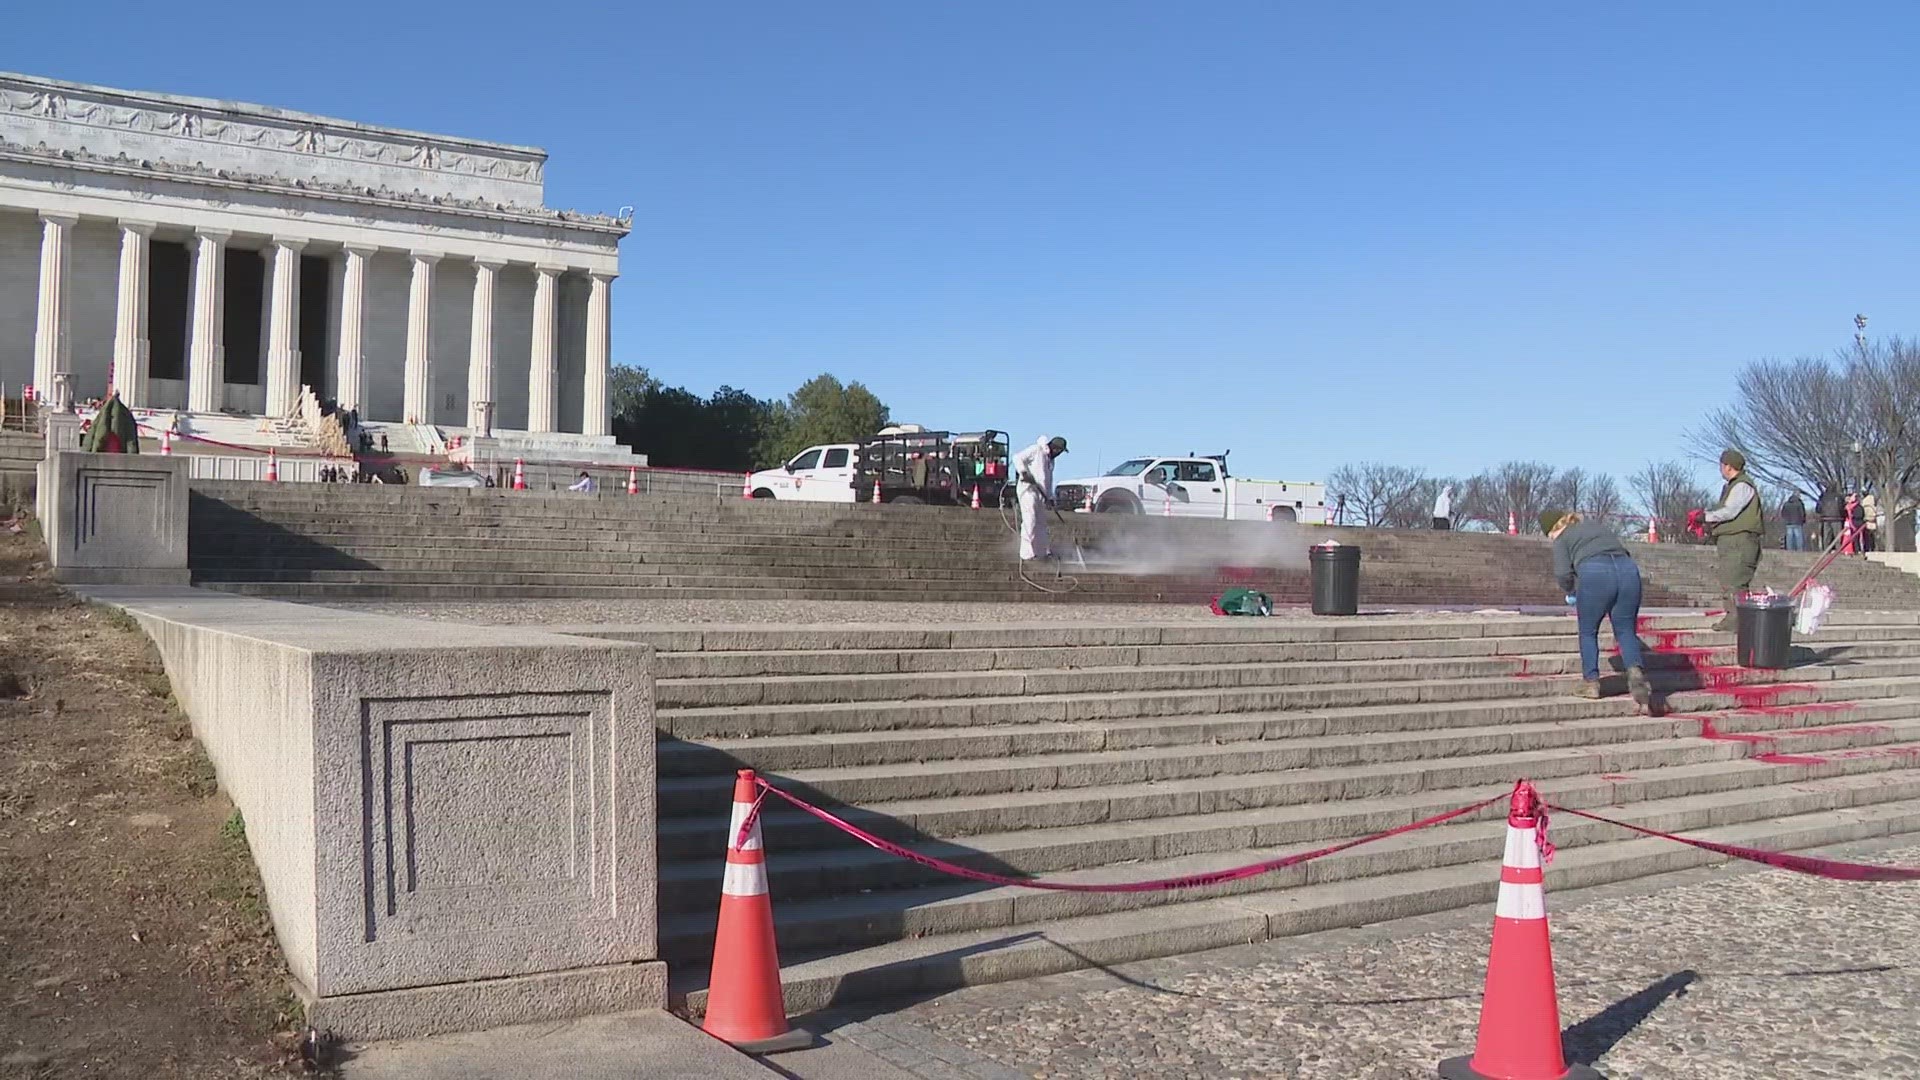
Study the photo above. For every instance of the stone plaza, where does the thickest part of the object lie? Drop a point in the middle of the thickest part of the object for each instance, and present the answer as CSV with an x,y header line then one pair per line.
x,y
208,256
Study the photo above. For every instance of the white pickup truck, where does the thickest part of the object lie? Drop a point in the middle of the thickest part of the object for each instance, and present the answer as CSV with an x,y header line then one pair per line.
x,y
1192,487
816,474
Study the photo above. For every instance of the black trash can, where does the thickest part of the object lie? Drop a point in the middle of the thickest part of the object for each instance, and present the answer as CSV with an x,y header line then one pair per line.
x,y
1335,568
1763,630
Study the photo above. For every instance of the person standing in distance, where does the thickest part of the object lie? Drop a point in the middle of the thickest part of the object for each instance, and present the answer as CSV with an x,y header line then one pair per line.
x,y
1736,526
1443,509
1033,471
1793,514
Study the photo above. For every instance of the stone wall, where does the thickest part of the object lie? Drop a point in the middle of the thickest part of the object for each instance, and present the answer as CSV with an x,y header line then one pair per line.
x,y
454,825
113,518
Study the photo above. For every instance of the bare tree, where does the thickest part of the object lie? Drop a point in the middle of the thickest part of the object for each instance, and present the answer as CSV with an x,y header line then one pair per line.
x,y
1379,494
1602,500
1415,509
1667,490
1518,488
1797,421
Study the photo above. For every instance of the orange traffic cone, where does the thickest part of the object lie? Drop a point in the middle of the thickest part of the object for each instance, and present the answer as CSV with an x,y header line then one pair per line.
x,y
166,444
1166,507
273,466
633,480
1653,530
975,502
1520,1013
1513,524
1089,498
876,490
519,475
1269,511
744,1003
746,487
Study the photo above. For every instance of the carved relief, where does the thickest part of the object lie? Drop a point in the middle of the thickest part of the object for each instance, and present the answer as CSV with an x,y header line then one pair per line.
x,y
309,140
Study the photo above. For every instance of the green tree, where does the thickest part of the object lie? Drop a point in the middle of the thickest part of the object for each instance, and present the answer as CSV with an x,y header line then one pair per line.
x,y
822,410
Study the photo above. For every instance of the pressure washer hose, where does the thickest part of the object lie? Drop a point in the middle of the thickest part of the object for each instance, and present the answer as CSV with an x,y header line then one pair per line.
x,y
1066,584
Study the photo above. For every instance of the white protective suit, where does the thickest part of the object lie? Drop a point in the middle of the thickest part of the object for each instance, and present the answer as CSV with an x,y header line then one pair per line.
x,y
1033,471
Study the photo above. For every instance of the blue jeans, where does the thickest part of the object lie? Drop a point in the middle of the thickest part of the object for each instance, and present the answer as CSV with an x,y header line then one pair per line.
x,y
1607,586
1796,538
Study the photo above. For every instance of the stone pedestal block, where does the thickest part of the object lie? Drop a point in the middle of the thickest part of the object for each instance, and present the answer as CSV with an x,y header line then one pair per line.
x,y
454,824
114,518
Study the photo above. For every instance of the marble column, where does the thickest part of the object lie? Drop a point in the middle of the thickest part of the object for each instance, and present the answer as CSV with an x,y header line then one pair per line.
x,y
543,413
206,358
595,418
417,404
480,349
350,377
283,328
52,347
130,346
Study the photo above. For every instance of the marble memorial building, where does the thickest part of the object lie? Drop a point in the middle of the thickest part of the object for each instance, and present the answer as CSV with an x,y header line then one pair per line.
x,y
211,256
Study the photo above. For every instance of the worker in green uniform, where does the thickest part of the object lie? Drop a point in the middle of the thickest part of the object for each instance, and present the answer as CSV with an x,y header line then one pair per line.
x,y
1737,528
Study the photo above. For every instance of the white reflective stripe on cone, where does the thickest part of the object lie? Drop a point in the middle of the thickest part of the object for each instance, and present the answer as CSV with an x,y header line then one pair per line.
x,y
740,811
1516,901
1523,849
745,879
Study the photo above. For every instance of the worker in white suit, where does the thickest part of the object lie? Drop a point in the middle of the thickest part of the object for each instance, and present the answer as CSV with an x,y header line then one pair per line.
x,y
1033,471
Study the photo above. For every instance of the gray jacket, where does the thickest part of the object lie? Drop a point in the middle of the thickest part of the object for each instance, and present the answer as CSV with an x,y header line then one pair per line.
x,y
1581,541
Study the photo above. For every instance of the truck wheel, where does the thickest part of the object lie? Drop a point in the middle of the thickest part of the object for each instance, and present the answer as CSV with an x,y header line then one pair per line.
x,y
1118,503
762,493
1285,513
908,500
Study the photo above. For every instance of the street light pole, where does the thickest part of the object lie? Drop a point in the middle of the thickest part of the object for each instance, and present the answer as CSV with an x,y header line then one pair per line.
x,y
1860,331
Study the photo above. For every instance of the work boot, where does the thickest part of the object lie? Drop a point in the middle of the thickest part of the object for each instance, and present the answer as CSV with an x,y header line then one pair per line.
x,y
1638,686
1587,688
1730,619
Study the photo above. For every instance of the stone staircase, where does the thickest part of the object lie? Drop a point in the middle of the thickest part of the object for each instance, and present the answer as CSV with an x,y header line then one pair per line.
x,y
1107,753
372,542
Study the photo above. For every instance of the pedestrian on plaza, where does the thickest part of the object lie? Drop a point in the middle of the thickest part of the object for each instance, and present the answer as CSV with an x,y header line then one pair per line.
x,y
1737,526
383,442
1443,509
1793,514
584,484
1870,510
1855,534
1831,512
1593,566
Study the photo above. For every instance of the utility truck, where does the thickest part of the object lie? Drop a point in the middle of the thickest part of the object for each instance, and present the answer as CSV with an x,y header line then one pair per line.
x,y
908,463
1192,486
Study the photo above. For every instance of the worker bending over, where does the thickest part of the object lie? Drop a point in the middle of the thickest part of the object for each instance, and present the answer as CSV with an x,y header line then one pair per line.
x,y
1033,470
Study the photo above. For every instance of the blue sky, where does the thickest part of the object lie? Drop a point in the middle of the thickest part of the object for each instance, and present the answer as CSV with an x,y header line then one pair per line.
x,y
1435,234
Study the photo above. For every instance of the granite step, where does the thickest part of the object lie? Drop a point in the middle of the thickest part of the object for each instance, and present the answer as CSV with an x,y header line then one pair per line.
x,y
1012,949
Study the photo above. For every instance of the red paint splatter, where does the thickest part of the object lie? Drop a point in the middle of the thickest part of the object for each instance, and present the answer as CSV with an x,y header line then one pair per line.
x,y
1614,777
1788,759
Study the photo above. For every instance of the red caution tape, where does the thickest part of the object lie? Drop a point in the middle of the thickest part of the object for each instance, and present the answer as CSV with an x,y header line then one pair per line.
x,y
1799,864
1194,881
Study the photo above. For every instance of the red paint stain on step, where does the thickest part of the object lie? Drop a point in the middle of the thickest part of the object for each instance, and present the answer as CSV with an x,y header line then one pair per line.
x,y
1789,759
1614,777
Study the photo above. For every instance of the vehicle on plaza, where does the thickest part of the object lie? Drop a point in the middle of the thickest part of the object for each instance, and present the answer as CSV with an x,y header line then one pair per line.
x,y
1193,486
907,462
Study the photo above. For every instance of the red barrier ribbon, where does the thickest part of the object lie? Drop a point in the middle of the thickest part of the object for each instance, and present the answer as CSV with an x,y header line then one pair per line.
x,y
1194,881
1799,864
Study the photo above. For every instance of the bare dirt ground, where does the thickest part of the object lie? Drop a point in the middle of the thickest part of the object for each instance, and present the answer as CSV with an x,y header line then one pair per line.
x,y
134,940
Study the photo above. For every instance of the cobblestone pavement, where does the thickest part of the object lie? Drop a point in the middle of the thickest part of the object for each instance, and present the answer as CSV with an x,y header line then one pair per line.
x,y
669,612
1713,974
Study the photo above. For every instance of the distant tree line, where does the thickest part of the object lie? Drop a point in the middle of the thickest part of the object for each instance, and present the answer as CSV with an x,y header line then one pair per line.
x,y
1799,423
1380,495
731,430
